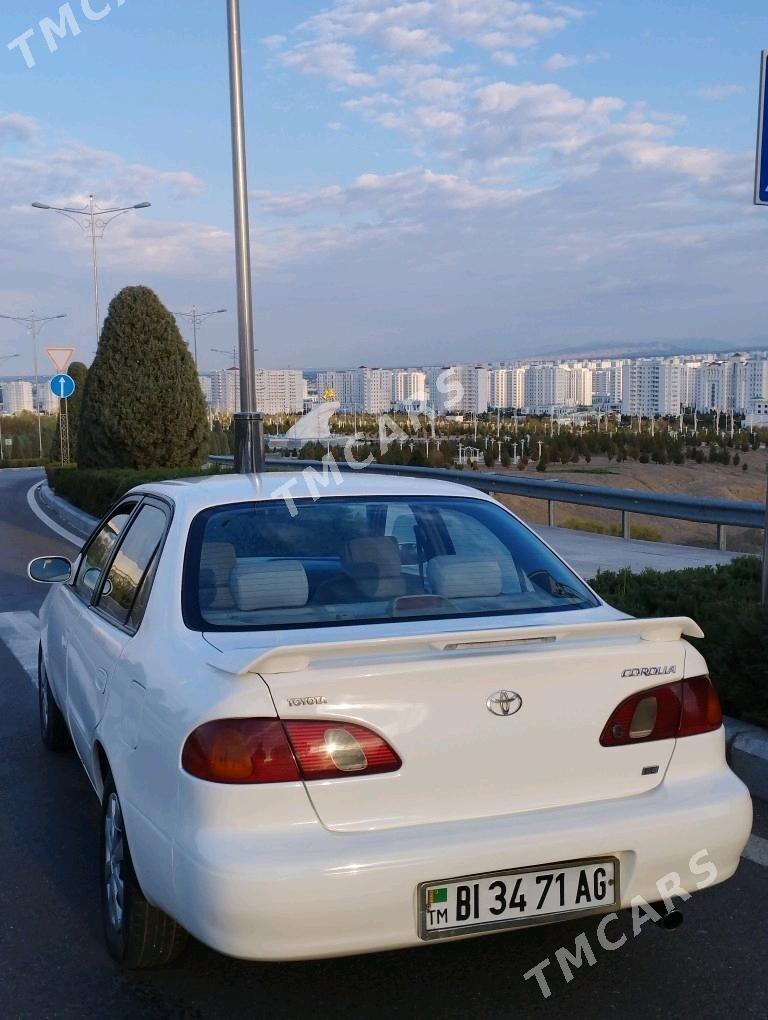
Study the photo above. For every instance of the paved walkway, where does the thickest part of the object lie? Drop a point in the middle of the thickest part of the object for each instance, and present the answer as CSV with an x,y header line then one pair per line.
x,y
588,553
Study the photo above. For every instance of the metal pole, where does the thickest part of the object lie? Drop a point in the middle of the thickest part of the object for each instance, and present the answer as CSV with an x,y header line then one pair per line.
x,y
249,426
765,550
33,329
194,330
92,214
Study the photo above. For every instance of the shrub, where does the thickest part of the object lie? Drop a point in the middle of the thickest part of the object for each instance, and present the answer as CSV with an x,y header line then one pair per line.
x,y
95,490
19,462
142,403
725,602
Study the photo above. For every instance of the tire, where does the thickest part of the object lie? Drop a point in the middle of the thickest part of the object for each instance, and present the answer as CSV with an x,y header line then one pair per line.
x,y
137,934
53,725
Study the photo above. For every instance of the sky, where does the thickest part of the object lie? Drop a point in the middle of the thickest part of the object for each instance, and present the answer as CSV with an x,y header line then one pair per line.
x,y
431,180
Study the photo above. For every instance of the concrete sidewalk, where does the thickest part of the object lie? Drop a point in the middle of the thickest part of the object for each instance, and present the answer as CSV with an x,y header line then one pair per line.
x,y
588,553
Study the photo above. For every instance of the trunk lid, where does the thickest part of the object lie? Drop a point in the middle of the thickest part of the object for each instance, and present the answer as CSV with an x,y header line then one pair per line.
x,y
436,700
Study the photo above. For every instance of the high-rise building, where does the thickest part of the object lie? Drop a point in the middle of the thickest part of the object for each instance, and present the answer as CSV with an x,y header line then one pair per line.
x,y
225,390
207,388
545,388
279,391
17,397
506,387
409,386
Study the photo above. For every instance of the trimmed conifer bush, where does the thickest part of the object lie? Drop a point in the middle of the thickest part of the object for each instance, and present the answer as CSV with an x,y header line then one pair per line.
x,y
142,403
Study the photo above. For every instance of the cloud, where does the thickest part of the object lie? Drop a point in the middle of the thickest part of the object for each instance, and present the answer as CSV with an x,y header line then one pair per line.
x,y
274,42
715,93
332,60
15,127
562,61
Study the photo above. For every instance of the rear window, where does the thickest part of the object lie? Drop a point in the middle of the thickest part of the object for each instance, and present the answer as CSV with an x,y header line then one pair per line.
x,y
367,560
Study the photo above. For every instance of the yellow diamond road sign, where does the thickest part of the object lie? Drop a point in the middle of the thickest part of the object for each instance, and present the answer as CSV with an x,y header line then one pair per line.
x,y
60,356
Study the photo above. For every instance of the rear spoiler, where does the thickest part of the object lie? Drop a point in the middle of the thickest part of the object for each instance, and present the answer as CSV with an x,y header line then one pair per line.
x,y
294,658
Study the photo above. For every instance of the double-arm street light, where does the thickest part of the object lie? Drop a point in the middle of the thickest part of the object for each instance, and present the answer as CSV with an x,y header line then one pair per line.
x,y
93,221
197,318
4,357
34,324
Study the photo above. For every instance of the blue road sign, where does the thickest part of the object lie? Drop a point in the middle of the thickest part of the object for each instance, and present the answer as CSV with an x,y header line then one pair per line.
x,y
62,386
761,168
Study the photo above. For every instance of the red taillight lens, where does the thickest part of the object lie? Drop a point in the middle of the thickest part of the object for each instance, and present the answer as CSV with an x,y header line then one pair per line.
x,y
327,750
240,751
680,709
246,751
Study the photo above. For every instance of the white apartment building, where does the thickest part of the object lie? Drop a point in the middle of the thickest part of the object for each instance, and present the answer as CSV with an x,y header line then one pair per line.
x,y
376,385
461,388
17,397
578,386
225,390
409,386
545,388
45,398
279,390
345,386
506,387
206,387
757,415
755,380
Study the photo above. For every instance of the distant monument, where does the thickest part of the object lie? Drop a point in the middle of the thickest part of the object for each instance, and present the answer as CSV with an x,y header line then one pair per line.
x,y
313,427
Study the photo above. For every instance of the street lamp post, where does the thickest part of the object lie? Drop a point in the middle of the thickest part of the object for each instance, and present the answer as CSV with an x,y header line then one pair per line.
x,y
93,221
197,318
34,325
4,357
249,425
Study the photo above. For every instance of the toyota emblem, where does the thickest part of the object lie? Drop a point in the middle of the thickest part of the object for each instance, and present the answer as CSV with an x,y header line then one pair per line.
x,y
504,703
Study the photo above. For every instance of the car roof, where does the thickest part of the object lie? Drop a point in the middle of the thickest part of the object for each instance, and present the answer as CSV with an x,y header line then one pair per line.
x,y
199,493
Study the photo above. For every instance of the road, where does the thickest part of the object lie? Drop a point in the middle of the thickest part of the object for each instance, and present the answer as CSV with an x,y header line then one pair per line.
x,y
52,963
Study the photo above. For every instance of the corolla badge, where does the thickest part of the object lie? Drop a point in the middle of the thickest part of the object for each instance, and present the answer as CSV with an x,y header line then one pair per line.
x,y
504,703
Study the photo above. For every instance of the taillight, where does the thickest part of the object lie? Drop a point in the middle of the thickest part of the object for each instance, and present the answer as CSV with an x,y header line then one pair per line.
x,y
247,751
327,750
680,709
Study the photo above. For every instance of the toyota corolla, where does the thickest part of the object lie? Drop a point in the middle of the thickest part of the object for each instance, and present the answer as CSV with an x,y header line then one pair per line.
x,y
370,718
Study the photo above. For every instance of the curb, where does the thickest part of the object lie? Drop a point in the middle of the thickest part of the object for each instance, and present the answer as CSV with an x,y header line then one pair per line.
x,y
62,512
746,749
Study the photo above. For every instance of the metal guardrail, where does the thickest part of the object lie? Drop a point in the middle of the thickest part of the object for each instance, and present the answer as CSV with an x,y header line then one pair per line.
x,y
722,513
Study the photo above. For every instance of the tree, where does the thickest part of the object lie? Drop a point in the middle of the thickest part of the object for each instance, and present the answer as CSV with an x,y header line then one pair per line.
x,y
142,406
79,373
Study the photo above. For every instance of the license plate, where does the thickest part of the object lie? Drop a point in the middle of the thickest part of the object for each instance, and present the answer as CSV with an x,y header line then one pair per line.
x,y
506,899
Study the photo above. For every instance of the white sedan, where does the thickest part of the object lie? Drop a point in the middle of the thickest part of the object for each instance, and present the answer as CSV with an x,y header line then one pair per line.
x,y
371,717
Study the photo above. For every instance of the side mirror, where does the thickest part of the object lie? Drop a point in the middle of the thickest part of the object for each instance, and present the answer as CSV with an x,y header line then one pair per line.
x,y
50,569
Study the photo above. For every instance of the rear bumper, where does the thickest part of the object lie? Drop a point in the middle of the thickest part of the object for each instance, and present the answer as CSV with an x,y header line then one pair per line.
x,y
301,891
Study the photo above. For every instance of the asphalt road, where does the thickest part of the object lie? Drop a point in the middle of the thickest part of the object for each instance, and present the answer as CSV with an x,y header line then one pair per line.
x,y
52,963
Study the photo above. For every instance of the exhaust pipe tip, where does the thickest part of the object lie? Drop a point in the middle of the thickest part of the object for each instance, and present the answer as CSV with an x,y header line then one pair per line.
x,y
671,921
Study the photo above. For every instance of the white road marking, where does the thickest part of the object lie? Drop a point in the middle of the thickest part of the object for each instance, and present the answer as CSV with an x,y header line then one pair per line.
x,y
69,536
756,850
20,633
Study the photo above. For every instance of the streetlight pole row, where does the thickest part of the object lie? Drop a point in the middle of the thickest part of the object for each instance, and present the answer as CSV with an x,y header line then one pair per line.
x,y
197,318
34,324
93,221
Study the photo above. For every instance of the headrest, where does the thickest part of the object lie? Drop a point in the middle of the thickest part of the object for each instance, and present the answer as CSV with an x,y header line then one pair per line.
x,y
375,565
464,577
218,557
216,562
269,584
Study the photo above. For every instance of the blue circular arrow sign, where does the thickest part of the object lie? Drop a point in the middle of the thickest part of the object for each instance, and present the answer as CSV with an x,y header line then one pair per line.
x,y
62,386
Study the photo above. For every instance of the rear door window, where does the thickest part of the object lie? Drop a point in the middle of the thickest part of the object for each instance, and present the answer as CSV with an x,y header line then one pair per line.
x,y
125,589
99,550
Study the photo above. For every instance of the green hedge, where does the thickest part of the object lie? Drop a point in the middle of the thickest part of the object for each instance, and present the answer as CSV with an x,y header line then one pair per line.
x,y
95,490
725,602
22,462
